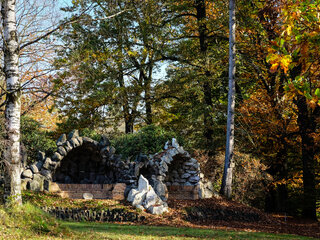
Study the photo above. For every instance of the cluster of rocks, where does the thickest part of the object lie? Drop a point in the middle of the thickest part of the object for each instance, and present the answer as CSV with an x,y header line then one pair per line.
x,y
144,197
113,215
173,166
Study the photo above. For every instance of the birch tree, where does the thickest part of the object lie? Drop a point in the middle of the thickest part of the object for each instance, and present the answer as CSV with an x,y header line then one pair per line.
x,y
226,187
13,102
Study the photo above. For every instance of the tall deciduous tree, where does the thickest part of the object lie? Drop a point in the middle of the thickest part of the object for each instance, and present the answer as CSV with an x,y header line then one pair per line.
x,y
226,186
13,101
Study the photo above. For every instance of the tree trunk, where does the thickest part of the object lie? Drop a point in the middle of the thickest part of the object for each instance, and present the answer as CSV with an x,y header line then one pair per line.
x,y
307,126
226,186
148,96
13,104
206,87
128,123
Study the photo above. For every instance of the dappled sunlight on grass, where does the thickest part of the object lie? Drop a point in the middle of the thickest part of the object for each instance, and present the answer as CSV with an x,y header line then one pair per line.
x,y
115,231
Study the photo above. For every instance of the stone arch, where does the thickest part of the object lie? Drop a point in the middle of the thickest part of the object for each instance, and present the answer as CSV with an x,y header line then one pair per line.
x,y
173,164
79,160
83,165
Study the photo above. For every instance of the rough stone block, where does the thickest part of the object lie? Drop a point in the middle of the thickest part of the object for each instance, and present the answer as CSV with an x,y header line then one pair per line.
x,y
61,140
131,195
27,174
143,184
34,168
41,156
62,151
158,210
54,187
34,186
87,196
139,198
74,142
46,174
73,134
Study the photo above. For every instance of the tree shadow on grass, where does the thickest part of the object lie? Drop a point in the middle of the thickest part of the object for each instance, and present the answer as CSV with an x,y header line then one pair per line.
x,y
125,231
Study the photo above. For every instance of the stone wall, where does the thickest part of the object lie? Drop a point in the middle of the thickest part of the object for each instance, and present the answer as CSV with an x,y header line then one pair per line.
x,y
78,160
81,160
113,215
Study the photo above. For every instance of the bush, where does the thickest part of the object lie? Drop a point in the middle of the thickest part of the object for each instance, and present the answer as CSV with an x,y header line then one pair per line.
x,y
87,132
148,140
34,139
250,177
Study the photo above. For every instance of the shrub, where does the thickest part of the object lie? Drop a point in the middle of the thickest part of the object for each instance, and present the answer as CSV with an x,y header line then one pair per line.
x,y
148,140
250,177
34,139
87,132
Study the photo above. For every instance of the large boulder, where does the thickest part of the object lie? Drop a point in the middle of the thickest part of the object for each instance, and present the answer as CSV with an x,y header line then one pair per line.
x,y
144,197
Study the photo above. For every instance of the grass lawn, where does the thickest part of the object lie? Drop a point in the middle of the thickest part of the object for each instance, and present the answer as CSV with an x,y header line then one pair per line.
x,y
85,230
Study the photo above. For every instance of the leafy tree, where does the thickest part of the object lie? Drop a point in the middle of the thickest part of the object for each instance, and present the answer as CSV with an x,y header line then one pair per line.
x,y
121,57
194,95
281,111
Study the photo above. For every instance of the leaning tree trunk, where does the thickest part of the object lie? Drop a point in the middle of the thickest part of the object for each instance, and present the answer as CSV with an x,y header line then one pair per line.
x,y
13,104
226,186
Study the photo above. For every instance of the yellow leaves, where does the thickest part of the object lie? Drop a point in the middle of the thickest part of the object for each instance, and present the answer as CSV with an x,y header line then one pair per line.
x,y
285,62
312,104
289,30
274,67
277,60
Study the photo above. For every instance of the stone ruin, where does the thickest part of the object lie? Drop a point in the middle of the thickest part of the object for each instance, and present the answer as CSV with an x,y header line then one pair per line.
x,y
81,166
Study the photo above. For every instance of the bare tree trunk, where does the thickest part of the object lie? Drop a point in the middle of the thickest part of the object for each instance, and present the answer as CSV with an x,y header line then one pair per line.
x,y
147,87
226,186
13,103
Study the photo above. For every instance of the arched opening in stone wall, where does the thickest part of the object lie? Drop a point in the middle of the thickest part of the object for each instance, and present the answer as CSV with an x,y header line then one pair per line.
x,y
182,178
83,165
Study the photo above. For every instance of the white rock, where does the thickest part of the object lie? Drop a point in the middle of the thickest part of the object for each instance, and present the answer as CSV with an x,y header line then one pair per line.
x,y
175,144
27,173
143,184
151,199
158,209
131,195
139,198
87,196
166,146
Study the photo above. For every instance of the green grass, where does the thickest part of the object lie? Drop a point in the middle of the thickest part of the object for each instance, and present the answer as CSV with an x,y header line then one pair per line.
x,y
84,230
29,222
41,199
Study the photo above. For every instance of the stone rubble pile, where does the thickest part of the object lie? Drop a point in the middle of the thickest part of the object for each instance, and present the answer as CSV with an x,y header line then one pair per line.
x,y
144,197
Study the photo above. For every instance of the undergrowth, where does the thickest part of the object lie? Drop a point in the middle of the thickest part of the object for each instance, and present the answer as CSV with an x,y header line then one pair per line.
x,y
28,221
